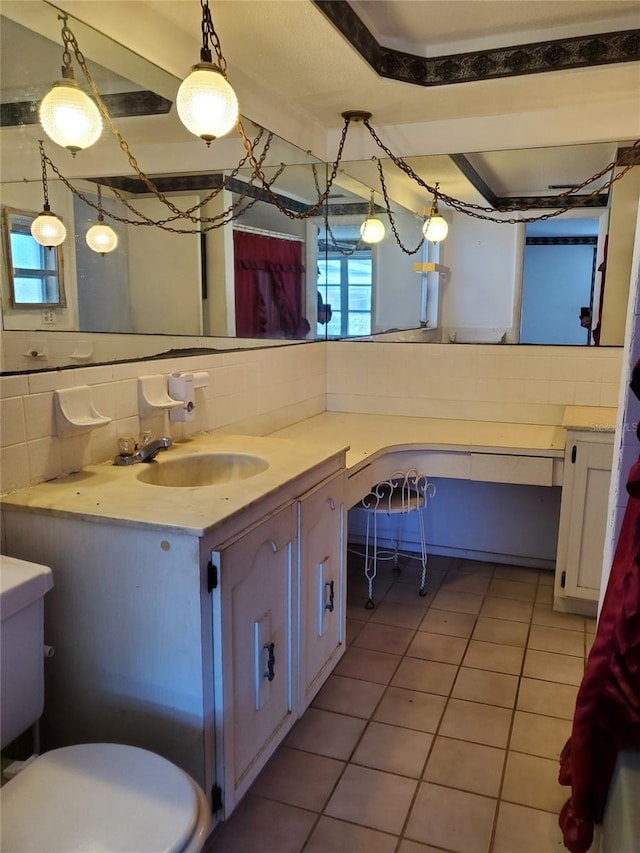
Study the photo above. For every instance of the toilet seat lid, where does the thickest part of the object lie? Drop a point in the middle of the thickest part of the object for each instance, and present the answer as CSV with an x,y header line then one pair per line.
x,y
99,797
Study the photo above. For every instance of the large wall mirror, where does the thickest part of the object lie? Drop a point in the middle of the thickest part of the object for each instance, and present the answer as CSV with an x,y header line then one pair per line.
x,y
163,283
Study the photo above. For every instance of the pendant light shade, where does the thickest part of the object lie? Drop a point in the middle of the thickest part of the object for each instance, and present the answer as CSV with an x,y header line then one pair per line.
x,y
372,230
435,229
48,229
70,117
101,237
206,103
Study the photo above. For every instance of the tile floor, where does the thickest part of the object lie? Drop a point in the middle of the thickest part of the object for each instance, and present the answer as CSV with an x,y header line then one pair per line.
x,y
440,728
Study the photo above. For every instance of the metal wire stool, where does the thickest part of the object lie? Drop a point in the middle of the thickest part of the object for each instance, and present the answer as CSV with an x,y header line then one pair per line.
x,y
402,493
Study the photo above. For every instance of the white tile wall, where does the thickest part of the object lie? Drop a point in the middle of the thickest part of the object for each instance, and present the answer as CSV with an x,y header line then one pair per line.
x,y
258,391
516,384
249,391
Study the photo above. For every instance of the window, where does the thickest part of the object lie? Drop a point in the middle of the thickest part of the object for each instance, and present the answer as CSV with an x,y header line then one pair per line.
x,y
35,272
345,282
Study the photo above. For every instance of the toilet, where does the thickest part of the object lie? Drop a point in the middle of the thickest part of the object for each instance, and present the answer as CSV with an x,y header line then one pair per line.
x,y
94,796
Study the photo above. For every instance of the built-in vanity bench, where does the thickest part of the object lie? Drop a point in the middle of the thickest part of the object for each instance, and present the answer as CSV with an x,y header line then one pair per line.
x,y
200,621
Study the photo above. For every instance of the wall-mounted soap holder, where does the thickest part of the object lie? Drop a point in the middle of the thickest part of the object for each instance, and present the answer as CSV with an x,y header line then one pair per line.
x,y
75,413
83,351
36,350
153,394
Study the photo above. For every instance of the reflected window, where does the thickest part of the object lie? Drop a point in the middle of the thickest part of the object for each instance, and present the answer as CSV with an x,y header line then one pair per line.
x,y
346,284
35,272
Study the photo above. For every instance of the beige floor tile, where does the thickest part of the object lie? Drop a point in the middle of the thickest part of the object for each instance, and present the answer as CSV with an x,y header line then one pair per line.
x,y
468,766
556,640
427,675
410,709
356,610
368,665
544,595
472,721
395,750
591,625
448,623
526,830
477,568
437,647
324,733
512,589
547,577
349,696
494,657
491,688
465,582
520,574
501,631
401,615
407,846
407,594
336,836
457,602
263,826
545,615
353,629
372,798
534,734
546,697
549,666
298,779
533,781
437,818
507,608
384,638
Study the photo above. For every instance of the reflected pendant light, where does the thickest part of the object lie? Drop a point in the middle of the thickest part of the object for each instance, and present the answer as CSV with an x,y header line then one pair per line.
x,y
47,228
101,237
372,229
435,229
206,103
67,114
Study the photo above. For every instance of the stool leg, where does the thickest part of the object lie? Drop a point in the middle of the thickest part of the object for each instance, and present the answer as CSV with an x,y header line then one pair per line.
x,y
370,563
423,555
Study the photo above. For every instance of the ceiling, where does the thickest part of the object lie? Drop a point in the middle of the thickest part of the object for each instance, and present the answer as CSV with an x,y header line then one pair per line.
x,y
296,73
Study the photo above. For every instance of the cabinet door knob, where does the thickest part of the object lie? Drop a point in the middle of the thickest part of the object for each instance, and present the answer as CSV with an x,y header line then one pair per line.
x,y
329,605
332,503
274,547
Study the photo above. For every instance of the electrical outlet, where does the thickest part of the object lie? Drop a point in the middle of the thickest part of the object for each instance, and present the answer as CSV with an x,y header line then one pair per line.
x,y
49,315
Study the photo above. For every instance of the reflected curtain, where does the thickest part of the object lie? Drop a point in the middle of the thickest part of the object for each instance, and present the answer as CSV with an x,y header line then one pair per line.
x,y
269,287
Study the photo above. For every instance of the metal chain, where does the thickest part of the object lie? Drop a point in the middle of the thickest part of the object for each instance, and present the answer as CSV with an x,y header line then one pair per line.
x,y
468,208
209,34
390,215
43,163
358,246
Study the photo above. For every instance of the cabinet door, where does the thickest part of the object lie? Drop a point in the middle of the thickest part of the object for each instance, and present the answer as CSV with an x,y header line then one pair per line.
x,y
321,547
586,517
257,588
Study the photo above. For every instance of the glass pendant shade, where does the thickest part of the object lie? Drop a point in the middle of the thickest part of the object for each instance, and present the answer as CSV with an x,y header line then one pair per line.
x,y
435,229
70,117
48,229
102,238
206,103
372,230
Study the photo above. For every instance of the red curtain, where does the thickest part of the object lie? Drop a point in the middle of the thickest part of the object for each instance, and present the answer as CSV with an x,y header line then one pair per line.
x,y
269,287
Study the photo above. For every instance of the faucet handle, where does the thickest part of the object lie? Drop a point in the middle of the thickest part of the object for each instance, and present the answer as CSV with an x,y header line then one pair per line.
x,y
146,437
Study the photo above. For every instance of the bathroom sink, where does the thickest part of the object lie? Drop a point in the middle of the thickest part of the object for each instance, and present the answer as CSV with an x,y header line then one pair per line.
x,y
202,469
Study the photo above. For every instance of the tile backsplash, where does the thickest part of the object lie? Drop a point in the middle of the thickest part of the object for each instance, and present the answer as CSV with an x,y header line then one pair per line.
x,y
261,390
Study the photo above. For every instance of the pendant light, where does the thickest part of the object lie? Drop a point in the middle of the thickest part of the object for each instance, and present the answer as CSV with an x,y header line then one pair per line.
x,y
372,229
206,103
67,114
47,228
435,229
101,237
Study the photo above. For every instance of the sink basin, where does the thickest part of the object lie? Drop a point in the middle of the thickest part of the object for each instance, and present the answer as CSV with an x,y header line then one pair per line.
x,y
202,469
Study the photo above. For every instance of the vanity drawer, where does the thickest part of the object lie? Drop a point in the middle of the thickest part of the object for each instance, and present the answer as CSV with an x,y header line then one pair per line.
x,y
506,468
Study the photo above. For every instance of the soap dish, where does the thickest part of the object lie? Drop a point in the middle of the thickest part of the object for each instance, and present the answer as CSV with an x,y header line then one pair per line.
x,y
75,413
153,393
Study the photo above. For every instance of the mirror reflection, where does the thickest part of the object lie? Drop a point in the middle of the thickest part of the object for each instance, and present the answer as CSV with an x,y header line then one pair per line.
x,y
321,280
35,273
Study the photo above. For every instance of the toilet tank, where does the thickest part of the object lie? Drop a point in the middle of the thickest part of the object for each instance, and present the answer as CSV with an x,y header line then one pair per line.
x,y
22,589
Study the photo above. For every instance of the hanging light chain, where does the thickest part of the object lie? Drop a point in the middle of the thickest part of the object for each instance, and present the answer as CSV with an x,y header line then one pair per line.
x,y
43,163
209,35
390,215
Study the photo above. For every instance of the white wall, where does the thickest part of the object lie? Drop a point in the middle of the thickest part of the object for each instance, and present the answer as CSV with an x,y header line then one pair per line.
x,y
397,292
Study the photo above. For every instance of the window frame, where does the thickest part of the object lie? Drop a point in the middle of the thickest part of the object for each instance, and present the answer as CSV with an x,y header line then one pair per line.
x,y
333,255
8,215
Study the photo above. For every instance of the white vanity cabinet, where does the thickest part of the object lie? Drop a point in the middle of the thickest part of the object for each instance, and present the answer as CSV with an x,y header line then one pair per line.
x,y
254,648
322,579
583,520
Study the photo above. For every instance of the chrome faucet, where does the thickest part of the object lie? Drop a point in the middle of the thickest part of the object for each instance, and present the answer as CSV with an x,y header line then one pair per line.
x,y
147,453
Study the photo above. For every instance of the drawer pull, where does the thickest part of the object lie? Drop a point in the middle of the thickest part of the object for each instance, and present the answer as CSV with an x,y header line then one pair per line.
x,y
329,605
332,503
271,661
